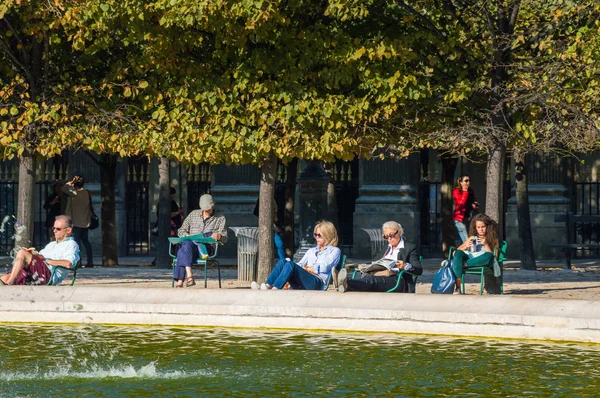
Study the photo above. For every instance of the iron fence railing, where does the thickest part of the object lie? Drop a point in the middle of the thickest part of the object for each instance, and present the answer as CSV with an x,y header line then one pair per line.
x,y
585,200
137,203
198,184
429,203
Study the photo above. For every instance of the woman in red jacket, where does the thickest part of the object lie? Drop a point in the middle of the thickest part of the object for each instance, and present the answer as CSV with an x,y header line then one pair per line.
x,y
464,203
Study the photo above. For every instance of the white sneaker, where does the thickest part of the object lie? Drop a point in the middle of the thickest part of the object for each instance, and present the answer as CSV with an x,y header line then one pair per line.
x,y
263,286
254,286
343,280
334,276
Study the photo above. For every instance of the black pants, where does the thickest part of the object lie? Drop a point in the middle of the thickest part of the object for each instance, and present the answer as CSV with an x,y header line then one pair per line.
x,y
364,282
81,237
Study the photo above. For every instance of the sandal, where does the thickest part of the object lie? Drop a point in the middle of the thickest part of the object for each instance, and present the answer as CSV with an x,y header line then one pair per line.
x,y
179,286
190,281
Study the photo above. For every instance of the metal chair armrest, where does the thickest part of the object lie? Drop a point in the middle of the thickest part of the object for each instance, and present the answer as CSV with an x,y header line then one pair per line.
x,y
451,252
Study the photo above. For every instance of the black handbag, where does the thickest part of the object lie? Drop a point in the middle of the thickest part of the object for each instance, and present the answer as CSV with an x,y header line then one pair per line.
x,y
94,223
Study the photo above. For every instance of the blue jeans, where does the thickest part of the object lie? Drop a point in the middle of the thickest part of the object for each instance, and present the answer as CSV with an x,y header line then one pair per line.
x,y
187,255
279,246
461,231
298,277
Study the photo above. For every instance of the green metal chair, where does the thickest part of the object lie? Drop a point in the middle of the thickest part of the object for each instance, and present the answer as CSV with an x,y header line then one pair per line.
x,y
200,238
499,254
415,277
393,290
72,269
341,264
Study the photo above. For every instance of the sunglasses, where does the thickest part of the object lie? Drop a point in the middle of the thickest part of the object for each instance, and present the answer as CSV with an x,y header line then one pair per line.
x,y
466,180
390,236
58,229
317,235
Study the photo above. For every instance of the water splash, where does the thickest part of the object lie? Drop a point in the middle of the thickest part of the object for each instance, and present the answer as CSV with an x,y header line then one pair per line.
x,y
5,221
18,236
148,371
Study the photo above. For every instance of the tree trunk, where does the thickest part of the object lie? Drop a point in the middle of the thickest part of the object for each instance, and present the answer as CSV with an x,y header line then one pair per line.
x,y
493,193
526,251
494,201
108,227
332,207
288,213
163,260
25,200
266,207
447,205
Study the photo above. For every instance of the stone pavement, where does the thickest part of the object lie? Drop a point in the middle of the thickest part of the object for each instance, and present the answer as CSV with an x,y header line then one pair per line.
x,y
551,280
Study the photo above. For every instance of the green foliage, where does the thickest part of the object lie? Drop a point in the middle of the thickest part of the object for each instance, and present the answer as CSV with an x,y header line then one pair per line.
x,y
223,81
235,81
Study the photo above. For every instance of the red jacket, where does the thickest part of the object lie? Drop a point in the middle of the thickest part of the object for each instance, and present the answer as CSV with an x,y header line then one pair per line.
x,y
463,204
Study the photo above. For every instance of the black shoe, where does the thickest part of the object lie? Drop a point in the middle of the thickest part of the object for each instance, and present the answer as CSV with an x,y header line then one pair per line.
x,y
88,266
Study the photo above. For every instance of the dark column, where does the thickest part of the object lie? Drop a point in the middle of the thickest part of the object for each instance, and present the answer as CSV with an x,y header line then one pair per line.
x,y
312,204
387,192
235,190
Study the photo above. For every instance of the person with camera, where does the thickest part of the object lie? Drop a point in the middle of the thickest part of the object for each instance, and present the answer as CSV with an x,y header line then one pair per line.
x,y
79,208
464,203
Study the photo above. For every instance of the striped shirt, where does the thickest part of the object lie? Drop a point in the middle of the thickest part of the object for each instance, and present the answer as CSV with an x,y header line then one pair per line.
x,y
194,224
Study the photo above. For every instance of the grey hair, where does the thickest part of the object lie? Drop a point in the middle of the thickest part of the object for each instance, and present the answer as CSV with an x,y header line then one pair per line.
x,y
68,220
394,226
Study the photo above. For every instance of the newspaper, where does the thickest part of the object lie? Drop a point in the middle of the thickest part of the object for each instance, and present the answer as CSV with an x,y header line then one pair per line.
x,y
384,264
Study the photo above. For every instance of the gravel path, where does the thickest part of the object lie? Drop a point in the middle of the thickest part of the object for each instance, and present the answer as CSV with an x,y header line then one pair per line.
x,y
550,281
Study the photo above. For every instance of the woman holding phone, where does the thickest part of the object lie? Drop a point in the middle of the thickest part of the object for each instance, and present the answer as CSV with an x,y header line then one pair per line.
x,y
478,249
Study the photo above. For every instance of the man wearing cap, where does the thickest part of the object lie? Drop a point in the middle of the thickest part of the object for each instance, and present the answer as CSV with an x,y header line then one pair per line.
x,y
203,221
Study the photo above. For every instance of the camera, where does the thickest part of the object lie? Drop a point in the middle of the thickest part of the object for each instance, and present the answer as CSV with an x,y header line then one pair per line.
x,y
77,181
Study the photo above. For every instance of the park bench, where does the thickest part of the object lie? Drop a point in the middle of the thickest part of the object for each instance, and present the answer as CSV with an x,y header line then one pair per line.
x,y
574,222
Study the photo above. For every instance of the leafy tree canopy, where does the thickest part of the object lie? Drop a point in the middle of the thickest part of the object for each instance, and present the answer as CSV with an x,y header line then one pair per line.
x,y
236,81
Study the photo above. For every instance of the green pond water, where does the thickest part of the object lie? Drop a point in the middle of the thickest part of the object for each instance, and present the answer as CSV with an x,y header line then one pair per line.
x,y
95,361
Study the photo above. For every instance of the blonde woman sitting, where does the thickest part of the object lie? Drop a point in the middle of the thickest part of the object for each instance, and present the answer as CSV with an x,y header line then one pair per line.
x,y
314,270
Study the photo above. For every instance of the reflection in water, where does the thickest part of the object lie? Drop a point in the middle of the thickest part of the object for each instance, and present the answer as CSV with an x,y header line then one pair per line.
x,y
134,361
